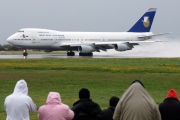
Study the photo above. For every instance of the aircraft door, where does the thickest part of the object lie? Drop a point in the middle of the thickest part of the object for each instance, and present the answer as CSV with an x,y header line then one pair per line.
x,y
81,39
104,40
55,39
34,39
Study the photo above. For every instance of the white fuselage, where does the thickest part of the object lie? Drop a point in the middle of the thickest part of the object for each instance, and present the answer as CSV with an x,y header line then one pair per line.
x,y
32,38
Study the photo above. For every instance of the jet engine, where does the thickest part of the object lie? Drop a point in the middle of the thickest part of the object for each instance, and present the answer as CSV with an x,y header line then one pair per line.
x,y
85,49
123,47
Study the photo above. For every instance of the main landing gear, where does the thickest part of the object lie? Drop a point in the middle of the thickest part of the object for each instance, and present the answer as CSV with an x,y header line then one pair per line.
x,y
80,54
85,54
70,53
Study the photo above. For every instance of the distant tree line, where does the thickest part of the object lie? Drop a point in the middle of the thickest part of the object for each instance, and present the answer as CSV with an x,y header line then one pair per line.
x,y
8,47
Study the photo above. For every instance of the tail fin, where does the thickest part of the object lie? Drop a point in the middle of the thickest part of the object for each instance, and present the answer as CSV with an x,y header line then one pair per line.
x,y
145,22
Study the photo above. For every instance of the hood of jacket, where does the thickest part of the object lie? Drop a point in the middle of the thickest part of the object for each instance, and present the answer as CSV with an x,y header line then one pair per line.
x,y
135,92
172,94
53,98
133,98
21,88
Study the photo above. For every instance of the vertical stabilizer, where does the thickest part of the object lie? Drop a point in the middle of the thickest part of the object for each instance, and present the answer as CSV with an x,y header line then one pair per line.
x,y
145,22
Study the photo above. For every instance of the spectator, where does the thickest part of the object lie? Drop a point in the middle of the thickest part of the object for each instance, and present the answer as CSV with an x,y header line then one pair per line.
x,y
170,107
54,109
136,104
108,113
18,105
85,108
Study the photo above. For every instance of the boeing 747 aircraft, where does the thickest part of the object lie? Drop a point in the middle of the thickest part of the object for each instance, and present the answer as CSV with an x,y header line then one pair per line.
x,y
85,42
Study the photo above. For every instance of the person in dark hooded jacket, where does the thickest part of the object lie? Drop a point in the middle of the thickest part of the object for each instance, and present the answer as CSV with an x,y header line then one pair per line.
x,y
108,113
170,107
85,108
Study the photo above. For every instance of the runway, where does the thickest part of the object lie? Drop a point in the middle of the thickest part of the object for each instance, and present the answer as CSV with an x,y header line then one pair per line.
x,y
158,50
40,56
96,55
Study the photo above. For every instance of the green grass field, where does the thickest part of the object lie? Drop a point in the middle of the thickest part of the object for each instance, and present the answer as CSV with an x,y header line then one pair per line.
x,y
103,77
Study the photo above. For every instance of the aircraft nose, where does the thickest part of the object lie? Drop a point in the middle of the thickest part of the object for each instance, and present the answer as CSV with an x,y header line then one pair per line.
x,y
9,39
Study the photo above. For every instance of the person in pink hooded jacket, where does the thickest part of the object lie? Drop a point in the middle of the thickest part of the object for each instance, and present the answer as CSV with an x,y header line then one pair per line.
x,y
54,109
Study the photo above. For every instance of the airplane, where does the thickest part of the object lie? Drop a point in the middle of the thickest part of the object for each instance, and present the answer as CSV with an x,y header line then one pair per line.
x,y
85,42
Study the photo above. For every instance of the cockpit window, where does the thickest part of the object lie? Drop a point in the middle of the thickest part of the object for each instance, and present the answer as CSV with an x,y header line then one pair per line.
x,y
21,31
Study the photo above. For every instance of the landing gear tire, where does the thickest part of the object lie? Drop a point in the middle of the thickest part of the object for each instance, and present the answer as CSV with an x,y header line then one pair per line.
x,y
85,54
25,54
70,53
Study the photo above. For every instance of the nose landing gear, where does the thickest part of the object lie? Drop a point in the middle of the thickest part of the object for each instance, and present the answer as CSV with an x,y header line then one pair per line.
x,y
25,54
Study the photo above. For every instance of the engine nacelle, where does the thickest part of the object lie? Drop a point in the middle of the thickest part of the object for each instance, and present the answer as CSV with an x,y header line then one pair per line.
x,y
85,49
122,47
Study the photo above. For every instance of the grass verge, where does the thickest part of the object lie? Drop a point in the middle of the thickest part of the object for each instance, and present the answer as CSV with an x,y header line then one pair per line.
x,y
103,77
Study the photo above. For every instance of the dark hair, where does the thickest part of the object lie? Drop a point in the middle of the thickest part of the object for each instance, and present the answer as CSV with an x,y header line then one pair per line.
x,y
113,101
137,81
84,93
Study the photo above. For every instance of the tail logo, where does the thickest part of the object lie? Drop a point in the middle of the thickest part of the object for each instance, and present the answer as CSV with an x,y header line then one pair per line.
x,y
146,21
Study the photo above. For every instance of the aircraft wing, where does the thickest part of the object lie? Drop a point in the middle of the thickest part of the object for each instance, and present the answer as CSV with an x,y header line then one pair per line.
x,y
73,44
104,45
123,42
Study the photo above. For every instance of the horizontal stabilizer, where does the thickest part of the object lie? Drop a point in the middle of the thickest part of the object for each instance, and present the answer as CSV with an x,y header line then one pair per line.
x,y
161,34
146,36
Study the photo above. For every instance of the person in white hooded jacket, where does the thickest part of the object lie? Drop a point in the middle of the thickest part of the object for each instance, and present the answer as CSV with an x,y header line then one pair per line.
x,y
18,105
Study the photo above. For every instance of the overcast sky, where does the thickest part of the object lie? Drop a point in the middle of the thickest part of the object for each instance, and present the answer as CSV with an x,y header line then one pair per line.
x,y
86,15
